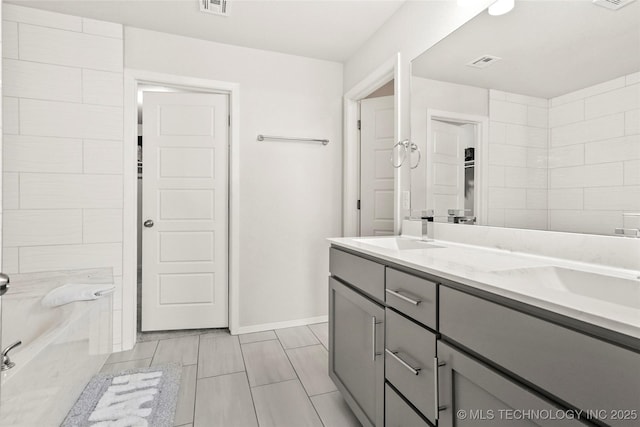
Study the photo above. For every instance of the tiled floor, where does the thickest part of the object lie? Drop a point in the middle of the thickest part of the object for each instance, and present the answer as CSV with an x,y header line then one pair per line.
x,y
274,378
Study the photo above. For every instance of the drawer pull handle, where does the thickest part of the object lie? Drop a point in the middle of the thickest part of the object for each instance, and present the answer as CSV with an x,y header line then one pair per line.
x,y
403,297
374,345
394,354
438,408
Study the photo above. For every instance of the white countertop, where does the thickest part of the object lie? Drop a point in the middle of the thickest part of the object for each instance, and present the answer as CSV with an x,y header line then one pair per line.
x,y
526,278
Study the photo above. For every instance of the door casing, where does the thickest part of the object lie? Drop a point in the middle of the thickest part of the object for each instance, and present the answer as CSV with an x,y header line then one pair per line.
x,y
132,78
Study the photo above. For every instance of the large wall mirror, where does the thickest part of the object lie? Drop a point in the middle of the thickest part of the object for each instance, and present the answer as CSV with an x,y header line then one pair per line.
x,y
532,119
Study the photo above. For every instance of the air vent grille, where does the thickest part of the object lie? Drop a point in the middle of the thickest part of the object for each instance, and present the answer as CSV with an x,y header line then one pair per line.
x,y
612,4
215,7
484,61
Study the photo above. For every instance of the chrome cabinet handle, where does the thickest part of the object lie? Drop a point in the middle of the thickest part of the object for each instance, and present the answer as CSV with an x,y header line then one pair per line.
x,y
374,322
402,297
438,408
148,223
394,354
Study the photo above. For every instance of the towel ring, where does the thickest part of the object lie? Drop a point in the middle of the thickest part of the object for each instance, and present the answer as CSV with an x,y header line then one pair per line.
x,y
404,144
414,147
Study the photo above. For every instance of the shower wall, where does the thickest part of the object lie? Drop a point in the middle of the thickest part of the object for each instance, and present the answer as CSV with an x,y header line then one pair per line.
x,y
63,136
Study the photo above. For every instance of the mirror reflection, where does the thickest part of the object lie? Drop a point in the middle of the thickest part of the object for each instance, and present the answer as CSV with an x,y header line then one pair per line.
x,y
532,120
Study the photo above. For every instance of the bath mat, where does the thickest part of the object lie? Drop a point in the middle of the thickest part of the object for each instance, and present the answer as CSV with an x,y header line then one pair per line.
x,y
135,397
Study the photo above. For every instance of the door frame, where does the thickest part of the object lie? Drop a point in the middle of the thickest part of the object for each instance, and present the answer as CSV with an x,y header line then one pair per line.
x,y
132,78
390,69
482,154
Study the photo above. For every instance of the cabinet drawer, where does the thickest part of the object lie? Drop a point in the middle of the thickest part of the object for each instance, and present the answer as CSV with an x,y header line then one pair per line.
x,y
398,413
588,373
413,296
409,357
368,276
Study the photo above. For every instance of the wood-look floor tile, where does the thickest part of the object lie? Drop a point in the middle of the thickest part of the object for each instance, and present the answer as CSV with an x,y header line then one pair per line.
x,y
284,404
298,336
257,336
224,400
142,350
266,363
219,355
113,368
333,410
321,331
186,396
312,365
180,350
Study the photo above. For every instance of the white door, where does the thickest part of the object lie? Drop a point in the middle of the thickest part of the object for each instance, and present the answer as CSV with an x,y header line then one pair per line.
x,y
445,167
376,171
185,193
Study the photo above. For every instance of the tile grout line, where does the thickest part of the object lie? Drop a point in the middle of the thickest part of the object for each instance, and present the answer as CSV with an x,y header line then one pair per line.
x,y
298,376
246,374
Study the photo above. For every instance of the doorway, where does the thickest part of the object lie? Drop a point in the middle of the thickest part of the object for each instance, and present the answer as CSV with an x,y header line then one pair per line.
x,y
456,153
183,205
377,134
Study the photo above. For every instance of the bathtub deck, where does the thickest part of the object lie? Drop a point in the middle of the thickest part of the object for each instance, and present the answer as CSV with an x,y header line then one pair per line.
x,y
273,378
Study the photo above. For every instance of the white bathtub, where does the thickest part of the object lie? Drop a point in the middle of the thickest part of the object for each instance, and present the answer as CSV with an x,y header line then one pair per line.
x,y
62,347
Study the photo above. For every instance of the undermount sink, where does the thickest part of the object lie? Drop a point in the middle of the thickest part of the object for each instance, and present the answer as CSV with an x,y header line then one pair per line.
x,y
397,243
615,290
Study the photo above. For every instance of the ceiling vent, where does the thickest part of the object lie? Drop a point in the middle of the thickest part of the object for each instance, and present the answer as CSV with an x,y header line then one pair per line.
x,y
484,61
613,4
215,7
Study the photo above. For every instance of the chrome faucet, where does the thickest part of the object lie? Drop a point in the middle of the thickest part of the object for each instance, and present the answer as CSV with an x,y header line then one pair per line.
x,y
6,361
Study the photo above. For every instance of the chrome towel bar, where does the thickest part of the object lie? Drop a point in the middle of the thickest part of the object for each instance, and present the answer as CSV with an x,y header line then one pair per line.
x,y
284,138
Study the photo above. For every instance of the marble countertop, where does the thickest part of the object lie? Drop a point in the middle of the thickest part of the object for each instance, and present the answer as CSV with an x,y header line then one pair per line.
x,y
603,296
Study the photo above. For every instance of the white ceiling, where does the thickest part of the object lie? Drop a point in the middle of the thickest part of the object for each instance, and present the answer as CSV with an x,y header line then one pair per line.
x,y
323,29
548,48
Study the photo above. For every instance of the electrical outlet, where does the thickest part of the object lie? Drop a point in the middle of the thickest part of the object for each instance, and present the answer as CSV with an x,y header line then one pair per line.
x,y
406,200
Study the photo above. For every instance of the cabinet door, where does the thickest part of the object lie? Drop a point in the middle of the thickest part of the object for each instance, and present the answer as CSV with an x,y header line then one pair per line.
x,y
472,394
356,345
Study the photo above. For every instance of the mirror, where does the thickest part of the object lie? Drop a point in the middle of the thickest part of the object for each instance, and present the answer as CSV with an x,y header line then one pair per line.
x,y
532,119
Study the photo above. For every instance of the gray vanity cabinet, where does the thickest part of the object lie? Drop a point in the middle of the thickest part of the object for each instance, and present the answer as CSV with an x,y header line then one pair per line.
x,y
356,346
472,394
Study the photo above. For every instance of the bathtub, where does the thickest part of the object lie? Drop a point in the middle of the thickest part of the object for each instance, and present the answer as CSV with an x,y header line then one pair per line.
x,y
62,347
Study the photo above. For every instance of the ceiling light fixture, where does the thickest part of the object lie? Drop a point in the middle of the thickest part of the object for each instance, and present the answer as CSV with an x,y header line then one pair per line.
x,y
500,7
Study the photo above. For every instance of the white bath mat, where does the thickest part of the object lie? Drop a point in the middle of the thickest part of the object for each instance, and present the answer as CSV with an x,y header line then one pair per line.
x,y
143,397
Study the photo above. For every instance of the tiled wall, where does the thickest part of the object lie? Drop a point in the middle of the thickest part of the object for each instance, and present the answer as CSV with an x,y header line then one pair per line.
x,y
594,157
518,141
63,136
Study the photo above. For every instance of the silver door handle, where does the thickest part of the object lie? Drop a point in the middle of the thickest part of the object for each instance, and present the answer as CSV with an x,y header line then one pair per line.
x,y
394,354
402,297
436,390
4,283
148,223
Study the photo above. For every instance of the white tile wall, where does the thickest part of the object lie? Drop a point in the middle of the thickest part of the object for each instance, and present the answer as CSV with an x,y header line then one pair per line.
x,y
10,190
39,17
63,136
594,156
518,153
42,154
102,157
41,227
42,81
70,191
566,113
10,113
9,39
53,46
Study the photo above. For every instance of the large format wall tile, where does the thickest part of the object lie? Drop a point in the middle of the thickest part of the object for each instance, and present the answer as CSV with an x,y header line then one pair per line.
x,y
41,81
60,191
53,46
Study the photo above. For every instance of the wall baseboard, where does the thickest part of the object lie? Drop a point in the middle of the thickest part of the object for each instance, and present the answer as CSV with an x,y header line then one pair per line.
x,y
279,325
